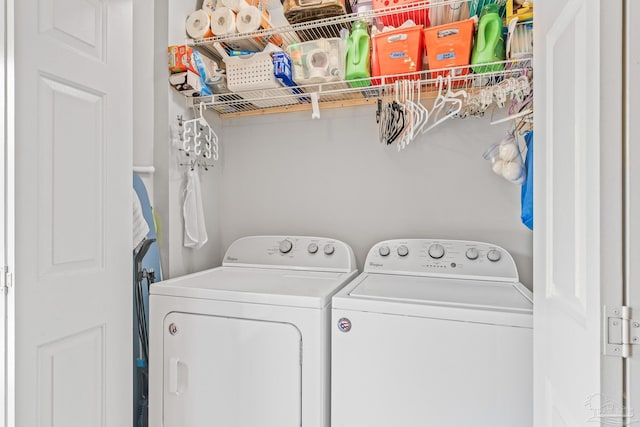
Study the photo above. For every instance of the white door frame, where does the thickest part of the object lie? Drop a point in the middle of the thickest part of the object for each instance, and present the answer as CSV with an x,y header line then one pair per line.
x,y
3,210
632,196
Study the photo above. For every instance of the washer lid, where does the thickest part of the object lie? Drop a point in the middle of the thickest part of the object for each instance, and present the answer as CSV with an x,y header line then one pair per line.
x,y
455,299
257,285
468,293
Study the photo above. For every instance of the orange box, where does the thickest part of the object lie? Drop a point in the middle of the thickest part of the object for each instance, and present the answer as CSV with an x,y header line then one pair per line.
x,y
449,45
399,51
419,17
180,59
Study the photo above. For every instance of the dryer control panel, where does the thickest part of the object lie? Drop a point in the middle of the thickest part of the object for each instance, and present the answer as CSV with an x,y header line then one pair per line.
x,y
295,252
442,258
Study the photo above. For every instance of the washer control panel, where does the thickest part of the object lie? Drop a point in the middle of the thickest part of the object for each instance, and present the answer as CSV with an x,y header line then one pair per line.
x,y
444,258
296,252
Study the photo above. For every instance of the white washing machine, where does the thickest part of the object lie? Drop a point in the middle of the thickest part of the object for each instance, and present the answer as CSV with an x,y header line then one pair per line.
x,y
433,333
248,344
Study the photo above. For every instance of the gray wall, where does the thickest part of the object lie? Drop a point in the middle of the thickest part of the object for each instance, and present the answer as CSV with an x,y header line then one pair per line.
x,y
288,174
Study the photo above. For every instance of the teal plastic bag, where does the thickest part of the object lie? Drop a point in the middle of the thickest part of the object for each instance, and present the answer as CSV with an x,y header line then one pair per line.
x,y
526,196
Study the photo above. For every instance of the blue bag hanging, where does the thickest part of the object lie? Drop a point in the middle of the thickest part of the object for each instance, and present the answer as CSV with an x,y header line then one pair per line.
x,y
527,186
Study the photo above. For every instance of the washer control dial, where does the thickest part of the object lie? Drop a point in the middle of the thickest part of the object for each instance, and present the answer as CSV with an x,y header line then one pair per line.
x,y
494,255
384,251
436,251
403,250
312,248
329,249
286,246
472,254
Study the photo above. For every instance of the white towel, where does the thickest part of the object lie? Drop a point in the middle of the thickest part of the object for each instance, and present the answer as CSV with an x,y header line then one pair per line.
x,y
195,230
140,226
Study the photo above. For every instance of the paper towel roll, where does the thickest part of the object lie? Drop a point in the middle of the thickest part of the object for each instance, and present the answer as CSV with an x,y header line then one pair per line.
x,y
249,19
234,5
197,25
223,21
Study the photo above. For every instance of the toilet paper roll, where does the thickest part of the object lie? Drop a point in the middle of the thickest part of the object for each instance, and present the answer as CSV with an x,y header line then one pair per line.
x,y
223,21
197,25
249,19
234,5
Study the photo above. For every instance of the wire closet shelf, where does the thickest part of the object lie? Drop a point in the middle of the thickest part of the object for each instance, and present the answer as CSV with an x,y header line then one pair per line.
x,y
342,94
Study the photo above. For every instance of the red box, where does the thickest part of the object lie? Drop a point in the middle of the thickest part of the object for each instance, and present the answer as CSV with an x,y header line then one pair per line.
x,y
397,18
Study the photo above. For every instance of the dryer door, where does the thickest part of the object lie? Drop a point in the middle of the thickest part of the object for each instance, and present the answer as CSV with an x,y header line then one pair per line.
x,y
230,372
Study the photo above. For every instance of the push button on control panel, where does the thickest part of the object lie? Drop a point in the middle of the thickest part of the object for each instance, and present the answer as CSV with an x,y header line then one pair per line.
x,y
403,250
286,246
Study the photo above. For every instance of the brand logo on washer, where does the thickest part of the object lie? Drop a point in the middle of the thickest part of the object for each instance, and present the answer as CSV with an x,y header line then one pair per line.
x,y
344,324
230,258
375,264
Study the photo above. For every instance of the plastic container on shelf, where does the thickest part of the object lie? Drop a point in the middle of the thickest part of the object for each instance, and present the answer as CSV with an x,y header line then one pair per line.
x,y
449,46
419,17
358,55
398,51
318,61
489,46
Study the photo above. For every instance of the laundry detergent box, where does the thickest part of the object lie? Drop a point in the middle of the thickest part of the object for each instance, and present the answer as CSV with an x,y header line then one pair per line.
x,y
180,59
318,61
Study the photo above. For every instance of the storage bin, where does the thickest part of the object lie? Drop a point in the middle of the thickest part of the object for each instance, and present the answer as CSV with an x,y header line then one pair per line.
x,y
318,61
398,51
254,72
449,45
419,17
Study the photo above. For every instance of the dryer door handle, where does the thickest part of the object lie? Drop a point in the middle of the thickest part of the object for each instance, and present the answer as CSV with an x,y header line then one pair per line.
x,y
174,375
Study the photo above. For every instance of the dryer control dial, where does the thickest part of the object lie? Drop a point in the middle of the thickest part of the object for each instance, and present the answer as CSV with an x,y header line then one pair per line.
x,y
472,254
312,248
494,255
286,246
329,249
403,250
384,251
436,251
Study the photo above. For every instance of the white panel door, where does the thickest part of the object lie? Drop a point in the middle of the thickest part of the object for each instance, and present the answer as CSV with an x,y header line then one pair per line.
x,y
3,240
71,250
221,371
578,215
632,110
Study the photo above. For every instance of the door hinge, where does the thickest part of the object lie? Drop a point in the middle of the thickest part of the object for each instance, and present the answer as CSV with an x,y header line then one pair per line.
x,y
621,331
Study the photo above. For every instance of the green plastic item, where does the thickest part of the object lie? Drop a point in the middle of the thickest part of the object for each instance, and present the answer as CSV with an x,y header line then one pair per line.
x,y
489,46
358,55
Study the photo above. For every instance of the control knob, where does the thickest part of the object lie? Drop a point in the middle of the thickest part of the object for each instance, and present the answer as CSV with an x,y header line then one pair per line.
x,y
403,250
286,246
494,255
384,251
472,254
329,249
436,251
312,248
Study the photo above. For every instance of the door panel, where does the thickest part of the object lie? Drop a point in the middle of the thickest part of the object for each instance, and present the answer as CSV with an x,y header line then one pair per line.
x,y
221,371
71,252
577,234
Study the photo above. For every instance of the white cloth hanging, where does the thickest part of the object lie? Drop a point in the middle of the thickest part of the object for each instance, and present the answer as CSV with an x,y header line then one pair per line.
x,y
140,226
195,230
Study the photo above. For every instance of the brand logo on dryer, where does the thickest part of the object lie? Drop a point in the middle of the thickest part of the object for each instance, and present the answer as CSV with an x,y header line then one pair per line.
x,y
230,258
375,264
344,324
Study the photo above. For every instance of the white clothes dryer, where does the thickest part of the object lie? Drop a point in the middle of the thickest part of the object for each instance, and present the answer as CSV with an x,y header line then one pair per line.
x,y
433,333
247,344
